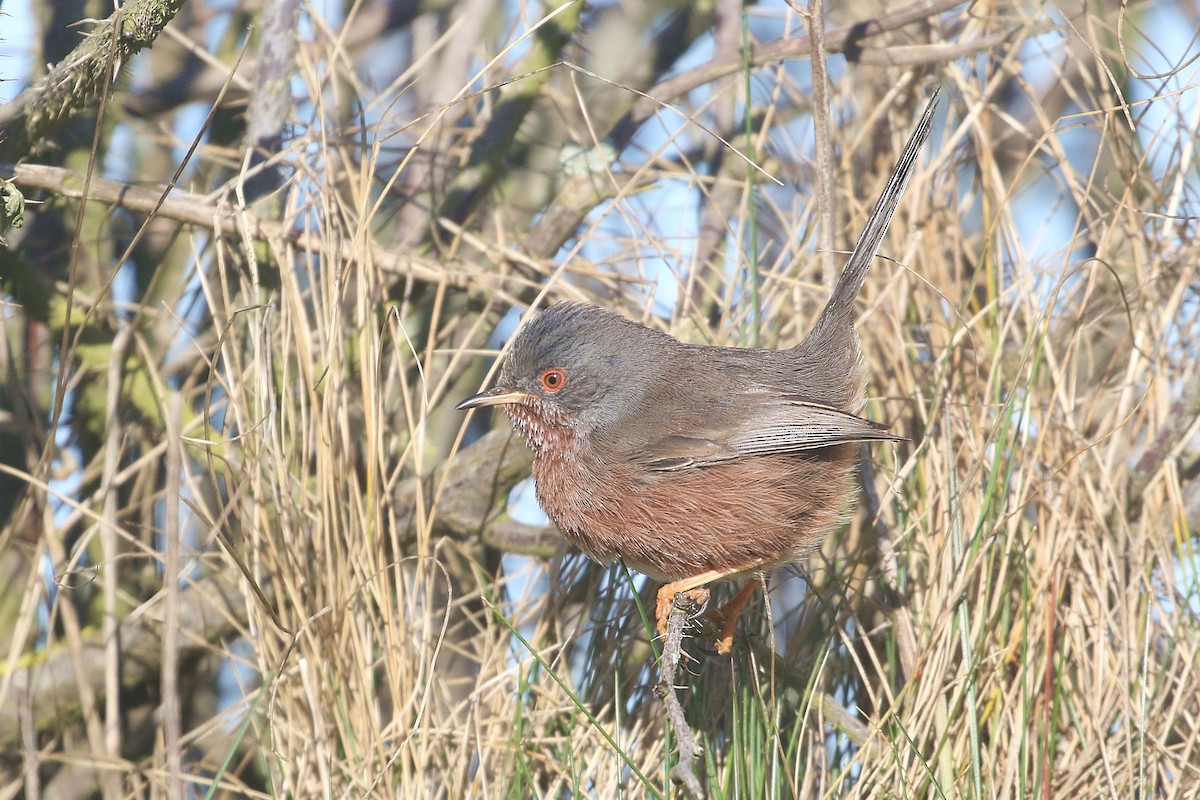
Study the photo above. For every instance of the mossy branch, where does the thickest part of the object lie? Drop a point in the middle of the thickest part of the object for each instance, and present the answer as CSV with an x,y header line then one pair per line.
x,y
32,118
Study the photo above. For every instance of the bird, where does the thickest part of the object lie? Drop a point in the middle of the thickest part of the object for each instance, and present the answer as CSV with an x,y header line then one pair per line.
x,y
694,464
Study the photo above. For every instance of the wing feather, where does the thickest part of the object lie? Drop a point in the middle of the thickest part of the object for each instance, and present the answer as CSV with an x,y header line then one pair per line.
x,y
769,423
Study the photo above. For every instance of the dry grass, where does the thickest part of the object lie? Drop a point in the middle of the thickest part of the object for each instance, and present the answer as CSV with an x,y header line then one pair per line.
x,y
1011,613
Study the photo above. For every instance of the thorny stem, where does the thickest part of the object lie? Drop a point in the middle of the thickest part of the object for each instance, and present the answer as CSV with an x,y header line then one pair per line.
x,y
689,750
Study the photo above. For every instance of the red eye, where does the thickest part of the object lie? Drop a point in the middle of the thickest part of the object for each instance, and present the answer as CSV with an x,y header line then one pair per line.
x,y
553,379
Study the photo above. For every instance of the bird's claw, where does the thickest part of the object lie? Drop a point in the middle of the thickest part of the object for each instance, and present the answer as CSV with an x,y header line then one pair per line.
x,y
667,599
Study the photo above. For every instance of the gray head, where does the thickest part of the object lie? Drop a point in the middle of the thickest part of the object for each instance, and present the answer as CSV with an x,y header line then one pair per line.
x,y
577,366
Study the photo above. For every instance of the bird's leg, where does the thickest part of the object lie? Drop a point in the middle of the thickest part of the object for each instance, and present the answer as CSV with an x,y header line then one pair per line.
x,y
666,600
727,616
666,595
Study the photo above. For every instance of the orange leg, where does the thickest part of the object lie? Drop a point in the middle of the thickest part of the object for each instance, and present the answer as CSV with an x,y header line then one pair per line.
x,y
666,596
727,615
666,601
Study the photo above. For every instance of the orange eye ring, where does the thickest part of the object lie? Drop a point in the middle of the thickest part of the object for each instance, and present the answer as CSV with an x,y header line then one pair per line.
x,y
553,379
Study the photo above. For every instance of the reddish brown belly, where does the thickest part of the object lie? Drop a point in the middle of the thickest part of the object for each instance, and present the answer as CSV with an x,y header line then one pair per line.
x,y
757,512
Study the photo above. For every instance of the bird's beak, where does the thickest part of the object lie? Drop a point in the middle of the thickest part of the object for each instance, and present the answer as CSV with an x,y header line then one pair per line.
x,y
499,396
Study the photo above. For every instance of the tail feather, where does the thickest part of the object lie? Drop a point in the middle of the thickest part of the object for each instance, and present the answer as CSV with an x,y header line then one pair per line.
x,y
841,302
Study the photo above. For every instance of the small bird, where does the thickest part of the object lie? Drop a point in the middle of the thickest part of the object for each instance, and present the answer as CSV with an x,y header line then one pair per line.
x,y
693,463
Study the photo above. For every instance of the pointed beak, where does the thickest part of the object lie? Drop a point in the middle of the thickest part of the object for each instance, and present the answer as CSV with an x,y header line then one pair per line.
x,y
499,396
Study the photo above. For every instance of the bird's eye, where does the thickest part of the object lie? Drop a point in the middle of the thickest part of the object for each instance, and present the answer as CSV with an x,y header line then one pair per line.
x,y
553,379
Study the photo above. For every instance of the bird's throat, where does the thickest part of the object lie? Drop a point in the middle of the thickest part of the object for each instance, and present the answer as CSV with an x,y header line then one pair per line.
x,y
545,428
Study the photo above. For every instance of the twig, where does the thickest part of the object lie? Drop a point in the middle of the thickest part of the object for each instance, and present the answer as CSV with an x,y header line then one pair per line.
x,y
206,212
172,702
845,39
830,266
270,106
212,213
689,750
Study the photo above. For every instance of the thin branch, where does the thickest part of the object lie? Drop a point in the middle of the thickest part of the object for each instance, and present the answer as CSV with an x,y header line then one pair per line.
x,y
194,209
689,750
846,39
270,96
172,709
830,268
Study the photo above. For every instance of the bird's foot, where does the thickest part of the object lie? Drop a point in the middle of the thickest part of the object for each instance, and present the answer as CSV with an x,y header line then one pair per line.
x,y
726,617
666,601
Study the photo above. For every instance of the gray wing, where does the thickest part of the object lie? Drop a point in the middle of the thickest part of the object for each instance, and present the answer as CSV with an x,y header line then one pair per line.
x,y
767,423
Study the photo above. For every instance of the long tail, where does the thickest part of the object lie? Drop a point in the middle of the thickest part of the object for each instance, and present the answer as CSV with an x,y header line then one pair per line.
x,y
841,303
